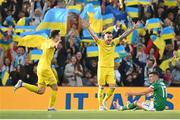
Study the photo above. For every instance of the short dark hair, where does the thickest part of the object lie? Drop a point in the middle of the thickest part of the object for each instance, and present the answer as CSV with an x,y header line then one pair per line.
x,y
154,73
54,33
151,59
108,32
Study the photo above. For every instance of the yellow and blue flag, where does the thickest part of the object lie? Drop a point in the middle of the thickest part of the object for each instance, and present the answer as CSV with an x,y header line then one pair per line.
x,y
35,54
131,38
165,64
120,52
153,23
145,2
75,8
141,31
55,19
95,17
160,44
4,77
92,51
20,29
44,33
172,3
33,39
167,33
94,2
132,12
131,2
108,19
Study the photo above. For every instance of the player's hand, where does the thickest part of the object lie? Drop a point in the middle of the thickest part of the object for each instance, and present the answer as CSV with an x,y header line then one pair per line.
x,y
128,94
85,23
57,44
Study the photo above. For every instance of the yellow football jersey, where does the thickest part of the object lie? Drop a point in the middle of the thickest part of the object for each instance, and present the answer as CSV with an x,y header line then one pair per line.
x,y
47,55
106,53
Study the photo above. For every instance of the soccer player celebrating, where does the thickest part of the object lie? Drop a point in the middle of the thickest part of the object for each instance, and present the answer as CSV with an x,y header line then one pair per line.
x,y
46,77
158,89
106,62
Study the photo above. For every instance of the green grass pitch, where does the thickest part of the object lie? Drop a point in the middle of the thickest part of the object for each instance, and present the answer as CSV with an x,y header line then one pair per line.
x,y
27,114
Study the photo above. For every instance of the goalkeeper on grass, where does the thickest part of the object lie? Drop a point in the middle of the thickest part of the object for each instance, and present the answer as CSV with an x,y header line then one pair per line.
x,y
106,62
159,91
46,76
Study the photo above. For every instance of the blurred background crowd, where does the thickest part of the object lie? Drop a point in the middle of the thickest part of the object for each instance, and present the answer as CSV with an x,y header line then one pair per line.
x,y
71,62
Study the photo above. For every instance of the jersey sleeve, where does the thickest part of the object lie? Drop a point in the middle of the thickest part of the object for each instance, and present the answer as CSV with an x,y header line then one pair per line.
x,y
99,41
153,86
49,44
116,41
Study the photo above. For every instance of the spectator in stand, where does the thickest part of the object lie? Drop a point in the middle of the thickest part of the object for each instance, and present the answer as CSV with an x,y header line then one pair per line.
x,y
73,73
175,73
20,56
117,29
117,74
150,66
168,77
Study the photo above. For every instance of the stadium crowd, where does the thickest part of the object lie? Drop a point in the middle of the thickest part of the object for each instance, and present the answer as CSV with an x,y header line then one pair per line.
x,y
72,65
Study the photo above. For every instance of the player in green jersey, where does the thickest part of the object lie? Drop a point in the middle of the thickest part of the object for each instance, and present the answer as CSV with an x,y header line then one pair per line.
x,y
158,89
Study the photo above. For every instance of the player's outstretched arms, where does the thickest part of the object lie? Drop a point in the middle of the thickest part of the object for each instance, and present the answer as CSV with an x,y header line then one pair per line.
x,y
127,32
86,25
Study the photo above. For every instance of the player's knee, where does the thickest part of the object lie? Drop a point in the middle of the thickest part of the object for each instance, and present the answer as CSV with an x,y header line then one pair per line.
x,y
54,87
41,91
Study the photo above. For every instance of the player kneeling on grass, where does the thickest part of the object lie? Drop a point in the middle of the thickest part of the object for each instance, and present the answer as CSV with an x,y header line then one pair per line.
x,y
158,89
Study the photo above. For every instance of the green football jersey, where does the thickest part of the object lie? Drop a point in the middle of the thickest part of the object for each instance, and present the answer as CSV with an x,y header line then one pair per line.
x,y
159,95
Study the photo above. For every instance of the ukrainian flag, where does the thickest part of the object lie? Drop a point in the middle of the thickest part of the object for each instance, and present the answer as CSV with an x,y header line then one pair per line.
x,y
132,12
145,2
108,19
153,23
131,38
160,44
55,19
120,52
4,77
167,33
172,3
44,33
94,2
94,16
92,51
165,64
35,54
33,39
87,40
20,29
75,8
131,2
141,30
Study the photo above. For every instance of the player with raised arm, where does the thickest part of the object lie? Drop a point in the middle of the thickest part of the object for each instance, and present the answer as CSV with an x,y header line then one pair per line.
x,y
159,91
46,77
106,62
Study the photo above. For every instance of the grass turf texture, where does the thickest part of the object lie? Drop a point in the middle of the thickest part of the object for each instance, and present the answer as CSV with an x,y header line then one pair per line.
x,y
168,114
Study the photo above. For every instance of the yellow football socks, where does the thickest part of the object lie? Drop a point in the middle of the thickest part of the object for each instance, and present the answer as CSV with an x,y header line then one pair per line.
x,y
30,87
109,93
100,95
53,98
